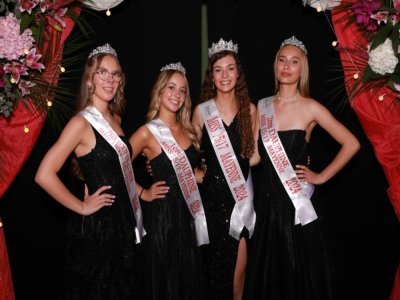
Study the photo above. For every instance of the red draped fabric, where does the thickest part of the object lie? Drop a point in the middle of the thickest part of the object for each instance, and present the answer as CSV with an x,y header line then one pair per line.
x,y
380,119
16,145
6,286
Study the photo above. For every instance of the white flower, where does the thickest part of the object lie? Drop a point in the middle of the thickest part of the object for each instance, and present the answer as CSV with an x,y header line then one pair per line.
x,y
382,59
322,4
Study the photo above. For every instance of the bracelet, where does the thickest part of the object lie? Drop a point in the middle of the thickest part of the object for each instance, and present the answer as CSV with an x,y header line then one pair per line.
x,y
140,195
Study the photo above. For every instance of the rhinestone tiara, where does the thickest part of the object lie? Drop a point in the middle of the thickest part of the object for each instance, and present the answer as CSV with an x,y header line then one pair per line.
x,y
177,67
221,46
294,42
106,49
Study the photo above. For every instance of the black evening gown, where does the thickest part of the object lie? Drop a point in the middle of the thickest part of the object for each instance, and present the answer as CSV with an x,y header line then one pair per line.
x,y
103,261
286,262
172,257
219,257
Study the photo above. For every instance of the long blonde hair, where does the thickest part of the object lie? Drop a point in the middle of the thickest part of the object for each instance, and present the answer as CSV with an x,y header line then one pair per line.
x,y
304,82
183,116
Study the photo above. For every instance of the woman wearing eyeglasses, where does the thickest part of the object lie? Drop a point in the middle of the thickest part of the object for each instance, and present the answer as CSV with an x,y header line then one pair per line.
x,y
103,258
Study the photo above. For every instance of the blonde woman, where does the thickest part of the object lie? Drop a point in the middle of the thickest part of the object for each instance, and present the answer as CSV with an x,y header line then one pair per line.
x,y
177,222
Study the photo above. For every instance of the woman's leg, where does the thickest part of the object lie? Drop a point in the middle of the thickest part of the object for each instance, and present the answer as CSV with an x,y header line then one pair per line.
x,y
240,270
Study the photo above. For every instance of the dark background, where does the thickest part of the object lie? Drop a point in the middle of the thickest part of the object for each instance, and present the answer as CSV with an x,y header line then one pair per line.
x,y
360,218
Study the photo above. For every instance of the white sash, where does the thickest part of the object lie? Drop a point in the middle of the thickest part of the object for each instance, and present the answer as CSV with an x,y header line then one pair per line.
x,y
299,192
95,118
185,176
243,213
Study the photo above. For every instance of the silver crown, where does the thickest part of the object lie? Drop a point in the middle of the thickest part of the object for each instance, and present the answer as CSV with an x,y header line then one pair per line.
x,y
294,42
221,46
177,67
106,49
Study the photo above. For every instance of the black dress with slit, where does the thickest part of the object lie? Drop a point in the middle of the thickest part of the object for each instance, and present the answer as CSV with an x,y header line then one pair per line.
x,y
219,257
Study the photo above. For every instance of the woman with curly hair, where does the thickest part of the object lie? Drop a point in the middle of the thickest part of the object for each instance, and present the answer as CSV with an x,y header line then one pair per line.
x,y
225,122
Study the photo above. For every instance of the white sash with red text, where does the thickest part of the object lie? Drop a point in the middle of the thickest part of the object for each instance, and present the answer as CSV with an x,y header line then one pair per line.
x,y
95,118
299,192
243,214
185,176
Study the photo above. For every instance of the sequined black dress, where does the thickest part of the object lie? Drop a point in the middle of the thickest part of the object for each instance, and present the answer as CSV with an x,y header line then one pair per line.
x,y
286,262
172,256
103,261
219,257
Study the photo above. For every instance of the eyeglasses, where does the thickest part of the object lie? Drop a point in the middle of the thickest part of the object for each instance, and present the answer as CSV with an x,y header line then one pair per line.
x,y
104,75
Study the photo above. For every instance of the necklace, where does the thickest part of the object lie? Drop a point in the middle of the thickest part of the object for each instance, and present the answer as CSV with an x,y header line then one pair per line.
x,y
221,109
288,100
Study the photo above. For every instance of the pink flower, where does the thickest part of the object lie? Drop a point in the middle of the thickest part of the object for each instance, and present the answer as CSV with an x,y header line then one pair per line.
x,y
31,60
24,86
396,4
58,14
12,43
27,5
381,16
16,69
363,10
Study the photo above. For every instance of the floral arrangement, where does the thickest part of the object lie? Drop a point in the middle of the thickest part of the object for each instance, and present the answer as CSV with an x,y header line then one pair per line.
x,y
378,21
23,26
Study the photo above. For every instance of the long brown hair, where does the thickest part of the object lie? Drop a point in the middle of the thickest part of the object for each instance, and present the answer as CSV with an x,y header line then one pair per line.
x,y
242,96
184,114
86,91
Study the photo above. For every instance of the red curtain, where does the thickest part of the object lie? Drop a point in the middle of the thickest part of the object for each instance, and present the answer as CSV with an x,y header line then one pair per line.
x,y
16,145
380,119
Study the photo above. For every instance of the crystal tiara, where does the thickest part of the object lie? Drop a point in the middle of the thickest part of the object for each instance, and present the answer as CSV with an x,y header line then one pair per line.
x,y
294,42
106,49
177,67
221,46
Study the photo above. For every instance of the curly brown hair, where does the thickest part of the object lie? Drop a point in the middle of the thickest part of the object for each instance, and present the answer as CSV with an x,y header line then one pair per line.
x,y
242,96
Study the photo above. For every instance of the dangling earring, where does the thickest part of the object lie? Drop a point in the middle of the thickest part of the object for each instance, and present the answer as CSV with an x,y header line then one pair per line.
x,y
213,87
90,90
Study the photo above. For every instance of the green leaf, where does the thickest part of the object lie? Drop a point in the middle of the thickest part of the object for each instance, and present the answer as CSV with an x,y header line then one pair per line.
x,y
368,74
381,36
26,21
395,37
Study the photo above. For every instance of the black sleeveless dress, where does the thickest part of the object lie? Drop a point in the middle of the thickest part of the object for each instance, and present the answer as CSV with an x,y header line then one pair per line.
x,y
103,261
172,257
219,257
286,262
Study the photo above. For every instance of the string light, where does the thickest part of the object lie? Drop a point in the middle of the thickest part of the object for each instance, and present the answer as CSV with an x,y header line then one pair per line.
x,y
355,76
12,80
381,97
319,9
26,129
108,12
49,103
334,43
62,69
1,224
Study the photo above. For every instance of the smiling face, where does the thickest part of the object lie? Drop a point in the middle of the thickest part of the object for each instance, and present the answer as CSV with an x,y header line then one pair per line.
x,y
106,79
174,94
225,74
